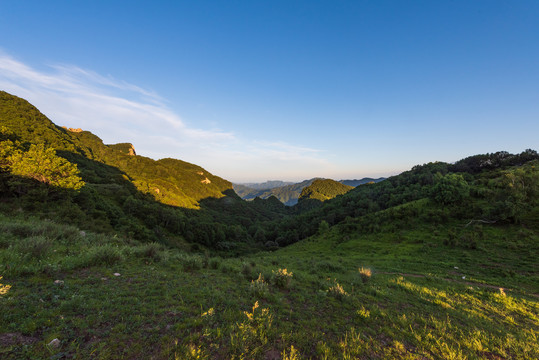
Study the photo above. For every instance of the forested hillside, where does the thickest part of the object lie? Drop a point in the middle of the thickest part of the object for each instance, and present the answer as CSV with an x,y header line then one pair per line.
x,y
499,188
71,176
324,189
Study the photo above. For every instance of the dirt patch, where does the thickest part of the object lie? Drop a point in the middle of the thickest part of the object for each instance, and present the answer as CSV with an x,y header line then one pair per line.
x,y
10,339
272,355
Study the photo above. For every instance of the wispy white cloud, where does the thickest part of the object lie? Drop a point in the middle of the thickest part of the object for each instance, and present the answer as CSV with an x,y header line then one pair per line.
x,y
118,111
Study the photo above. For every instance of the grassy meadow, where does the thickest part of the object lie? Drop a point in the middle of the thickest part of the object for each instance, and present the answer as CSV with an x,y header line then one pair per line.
x,y
420,292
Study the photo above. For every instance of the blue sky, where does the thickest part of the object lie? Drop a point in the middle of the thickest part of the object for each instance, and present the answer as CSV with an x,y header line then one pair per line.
x,y
257,90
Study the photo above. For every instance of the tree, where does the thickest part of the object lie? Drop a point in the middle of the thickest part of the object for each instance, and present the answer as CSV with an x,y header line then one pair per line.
x,y
42,164
450,189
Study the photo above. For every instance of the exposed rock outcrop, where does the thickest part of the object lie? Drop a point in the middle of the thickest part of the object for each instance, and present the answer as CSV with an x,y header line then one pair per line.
x,y
78,130
131,151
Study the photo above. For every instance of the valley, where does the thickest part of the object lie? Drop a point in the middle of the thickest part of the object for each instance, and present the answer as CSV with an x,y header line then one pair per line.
x,y
105,253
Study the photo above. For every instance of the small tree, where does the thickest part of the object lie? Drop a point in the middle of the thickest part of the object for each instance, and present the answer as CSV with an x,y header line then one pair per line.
x,y
42,164
450,189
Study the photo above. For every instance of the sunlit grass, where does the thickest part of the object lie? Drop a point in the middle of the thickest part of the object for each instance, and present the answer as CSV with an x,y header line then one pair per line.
x,y
171,304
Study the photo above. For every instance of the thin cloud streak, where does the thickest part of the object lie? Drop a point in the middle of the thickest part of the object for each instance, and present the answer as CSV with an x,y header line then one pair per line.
x,y
118,111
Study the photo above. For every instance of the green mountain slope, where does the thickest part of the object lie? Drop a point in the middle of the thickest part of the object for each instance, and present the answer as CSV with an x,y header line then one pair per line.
x,y
491,194
323,189
170,181
167,200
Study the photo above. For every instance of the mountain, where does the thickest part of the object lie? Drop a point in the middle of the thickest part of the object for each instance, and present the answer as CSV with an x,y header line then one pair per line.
x,y
356,182
287,194
71,175
323,189
270,184
169,181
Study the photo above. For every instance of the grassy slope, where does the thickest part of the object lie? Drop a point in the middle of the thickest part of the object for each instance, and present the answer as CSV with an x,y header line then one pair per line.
x,y
169,304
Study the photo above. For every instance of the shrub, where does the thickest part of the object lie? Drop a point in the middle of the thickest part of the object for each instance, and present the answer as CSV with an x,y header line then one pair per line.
x,y
214,263
281,278
152,251
259,287
103,255
365,274
228,268
337,291
4,288
292,355
192,262
253,334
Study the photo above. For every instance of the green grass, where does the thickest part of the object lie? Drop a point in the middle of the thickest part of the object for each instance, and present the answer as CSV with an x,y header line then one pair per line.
x,y
170,304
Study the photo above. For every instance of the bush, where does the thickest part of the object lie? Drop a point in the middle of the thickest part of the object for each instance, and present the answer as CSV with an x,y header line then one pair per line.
x,y
103,255
152,251
214,263
281,278
259,287
365,274
191,262
337,291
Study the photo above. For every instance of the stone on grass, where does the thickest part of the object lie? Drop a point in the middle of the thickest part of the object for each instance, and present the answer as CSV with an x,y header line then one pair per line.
x,y
54,343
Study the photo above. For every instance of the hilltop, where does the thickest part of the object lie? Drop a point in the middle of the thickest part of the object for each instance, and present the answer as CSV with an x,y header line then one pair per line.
x,y
323,189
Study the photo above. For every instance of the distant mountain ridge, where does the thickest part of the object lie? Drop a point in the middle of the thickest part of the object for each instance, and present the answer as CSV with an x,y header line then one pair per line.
x,y
270,184
287,194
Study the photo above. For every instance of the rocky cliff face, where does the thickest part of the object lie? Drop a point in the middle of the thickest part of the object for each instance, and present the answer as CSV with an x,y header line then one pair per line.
x,y
131,151
78,130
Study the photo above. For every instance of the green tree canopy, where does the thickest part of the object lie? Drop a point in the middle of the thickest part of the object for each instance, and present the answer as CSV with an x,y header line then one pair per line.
x,y
42,164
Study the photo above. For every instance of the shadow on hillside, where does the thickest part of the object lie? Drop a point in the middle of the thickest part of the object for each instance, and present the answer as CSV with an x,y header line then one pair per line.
x,y
109,202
